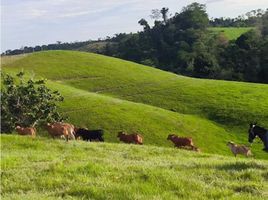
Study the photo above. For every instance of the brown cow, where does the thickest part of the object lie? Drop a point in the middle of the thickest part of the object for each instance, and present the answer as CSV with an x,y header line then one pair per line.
x,y
239,149
26,131
130,138
182,142
60,129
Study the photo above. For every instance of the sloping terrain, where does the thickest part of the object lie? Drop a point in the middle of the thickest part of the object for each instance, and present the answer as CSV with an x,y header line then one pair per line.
x,y
114,115
43,168
155,103
231,33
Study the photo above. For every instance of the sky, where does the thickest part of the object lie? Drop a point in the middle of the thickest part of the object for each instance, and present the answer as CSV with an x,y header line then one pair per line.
x,y
37,22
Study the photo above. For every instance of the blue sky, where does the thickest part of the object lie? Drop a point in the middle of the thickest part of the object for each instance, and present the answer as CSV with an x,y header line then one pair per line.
x,y
36,22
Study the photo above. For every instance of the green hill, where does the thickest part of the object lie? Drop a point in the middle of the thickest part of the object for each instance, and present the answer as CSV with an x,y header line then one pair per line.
x,y
109,93
113,115
231,33
52,169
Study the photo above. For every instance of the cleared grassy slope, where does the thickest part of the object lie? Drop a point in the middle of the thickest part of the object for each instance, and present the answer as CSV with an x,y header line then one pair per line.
x,y
44,169
233,104
231,33
97,111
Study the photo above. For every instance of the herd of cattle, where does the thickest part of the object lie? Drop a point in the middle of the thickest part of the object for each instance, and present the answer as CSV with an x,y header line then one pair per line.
x,y
69,131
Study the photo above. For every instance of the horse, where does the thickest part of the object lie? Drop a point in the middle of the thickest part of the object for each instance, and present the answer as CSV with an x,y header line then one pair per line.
x,y
261,132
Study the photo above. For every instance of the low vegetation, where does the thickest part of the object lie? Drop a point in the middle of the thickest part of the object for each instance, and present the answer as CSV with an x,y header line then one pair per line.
x,y
44,169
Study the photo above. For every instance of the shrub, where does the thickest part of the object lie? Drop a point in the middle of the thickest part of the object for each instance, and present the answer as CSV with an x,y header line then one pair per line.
x,y
27,102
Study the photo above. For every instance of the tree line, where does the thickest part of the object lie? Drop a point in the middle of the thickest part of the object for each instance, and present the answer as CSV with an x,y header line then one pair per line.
x,y
249,19
183,43
56,46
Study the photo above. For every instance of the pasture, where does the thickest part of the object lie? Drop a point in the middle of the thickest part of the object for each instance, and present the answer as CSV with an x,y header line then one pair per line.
x,y
43,168
116,95
231,33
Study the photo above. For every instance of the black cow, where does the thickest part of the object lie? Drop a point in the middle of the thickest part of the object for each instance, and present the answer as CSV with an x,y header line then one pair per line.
x,y
89,135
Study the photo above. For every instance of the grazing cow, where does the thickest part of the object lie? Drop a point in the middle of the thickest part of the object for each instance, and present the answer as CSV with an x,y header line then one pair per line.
x,y
131,138
239,149
60,129
89,135
26,131
182,142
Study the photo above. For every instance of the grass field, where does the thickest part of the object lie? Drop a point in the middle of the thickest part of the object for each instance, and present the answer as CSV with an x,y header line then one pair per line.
x,y
231,33
109,93
115,95
45,169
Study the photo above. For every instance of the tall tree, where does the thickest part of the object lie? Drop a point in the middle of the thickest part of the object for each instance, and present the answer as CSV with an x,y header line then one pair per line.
x,y
193,16
164,12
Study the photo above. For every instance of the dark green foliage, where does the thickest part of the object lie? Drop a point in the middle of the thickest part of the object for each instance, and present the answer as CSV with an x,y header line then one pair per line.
x,y
193,16
242,56
249,19
263,73
179,44
26,103
183,44
56,46
264,24
247,57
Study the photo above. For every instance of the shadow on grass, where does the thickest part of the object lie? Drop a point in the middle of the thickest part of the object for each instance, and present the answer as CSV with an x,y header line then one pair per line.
x,y
249,188
265,175
97,193
238,166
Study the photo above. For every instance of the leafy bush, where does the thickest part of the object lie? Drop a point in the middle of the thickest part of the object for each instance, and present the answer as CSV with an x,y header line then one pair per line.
x,y
27,102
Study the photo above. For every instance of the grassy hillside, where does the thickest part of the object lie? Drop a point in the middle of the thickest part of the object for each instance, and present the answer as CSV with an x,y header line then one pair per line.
x,y
231,33
113,115
212,112
44,169
225,102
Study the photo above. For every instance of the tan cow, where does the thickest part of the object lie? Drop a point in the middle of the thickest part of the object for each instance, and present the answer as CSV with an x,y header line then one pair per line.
x,y
138,138
60,129
26,131
239,149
